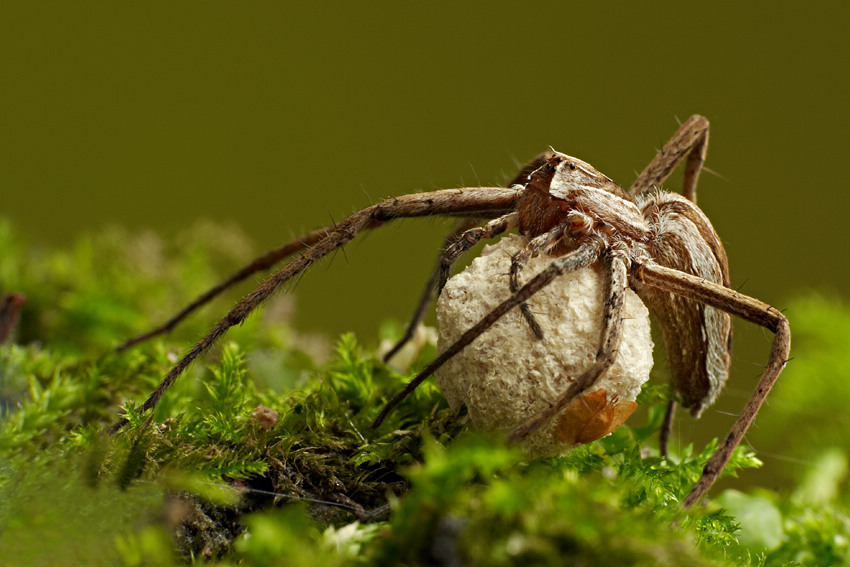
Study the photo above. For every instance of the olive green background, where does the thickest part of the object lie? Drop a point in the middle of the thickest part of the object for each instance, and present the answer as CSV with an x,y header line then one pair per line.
x,y
279,117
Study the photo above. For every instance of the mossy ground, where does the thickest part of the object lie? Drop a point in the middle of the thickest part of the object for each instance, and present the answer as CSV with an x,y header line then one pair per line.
x,y
263,456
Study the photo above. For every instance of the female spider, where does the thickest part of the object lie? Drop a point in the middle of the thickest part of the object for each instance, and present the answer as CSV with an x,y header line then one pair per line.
x,y
659,244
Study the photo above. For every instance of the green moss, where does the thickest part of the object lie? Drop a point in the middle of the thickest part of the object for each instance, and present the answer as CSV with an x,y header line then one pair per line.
x,y
262,456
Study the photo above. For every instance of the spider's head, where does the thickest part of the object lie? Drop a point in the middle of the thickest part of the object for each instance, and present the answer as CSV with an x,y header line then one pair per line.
x,y
561,170
566,177
569,173
563,184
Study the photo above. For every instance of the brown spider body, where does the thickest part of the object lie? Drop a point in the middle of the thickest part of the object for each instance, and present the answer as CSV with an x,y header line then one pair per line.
x,y
660,244
570,194
566,186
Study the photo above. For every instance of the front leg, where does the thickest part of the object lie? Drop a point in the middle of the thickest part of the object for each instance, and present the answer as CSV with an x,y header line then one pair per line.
x,y
691,141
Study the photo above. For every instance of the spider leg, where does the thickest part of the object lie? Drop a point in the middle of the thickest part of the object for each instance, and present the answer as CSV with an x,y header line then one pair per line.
x,y
473,236
583,256
10,313
690,141
747,308
462,239
469,239
535,246
667,428
521,178
430,287
446,202
259,263
612,333
272,257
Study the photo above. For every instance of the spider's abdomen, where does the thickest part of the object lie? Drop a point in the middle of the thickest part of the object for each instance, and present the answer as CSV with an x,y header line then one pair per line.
x,y
697,338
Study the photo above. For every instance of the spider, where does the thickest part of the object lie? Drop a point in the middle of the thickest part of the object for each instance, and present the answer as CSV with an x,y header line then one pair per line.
x,y
658,243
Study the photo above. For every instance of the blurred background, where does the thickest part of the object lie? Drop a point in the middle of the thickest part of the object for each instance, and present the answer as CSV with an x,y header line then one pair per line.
x,y
283,117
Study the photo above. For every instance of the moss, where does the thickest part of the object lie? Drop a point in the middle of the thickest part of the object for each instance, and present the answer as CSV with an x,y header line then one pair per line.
x,y
261,455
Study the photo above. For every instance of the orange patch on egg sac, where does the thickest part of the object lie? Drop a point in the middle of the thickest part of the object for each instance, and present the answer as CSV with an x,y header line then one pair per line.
x,y
592,416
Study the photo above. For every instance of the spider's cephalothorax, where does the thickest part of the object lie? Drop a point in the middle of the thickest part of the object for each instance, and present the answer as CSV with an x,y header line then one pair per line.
x,y
568,192
659,244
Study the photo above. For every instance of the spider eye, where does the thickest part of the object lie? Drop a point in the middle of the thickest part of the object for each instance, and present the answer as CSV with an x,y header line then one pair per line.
x,y
558,159
572,166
